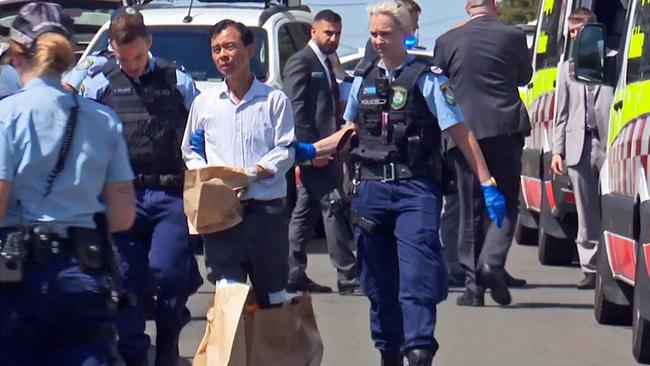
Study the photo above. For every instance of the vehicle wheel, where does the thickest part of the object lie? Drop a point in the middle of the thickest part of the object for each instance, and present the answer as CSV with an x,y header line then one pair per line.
x,y
641,325
525,235
606,311
553,251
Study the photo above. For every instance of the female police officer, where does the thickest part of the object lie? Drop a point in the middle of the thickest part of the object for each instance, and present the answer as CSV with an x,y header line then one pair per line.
x,y
63,161
398,108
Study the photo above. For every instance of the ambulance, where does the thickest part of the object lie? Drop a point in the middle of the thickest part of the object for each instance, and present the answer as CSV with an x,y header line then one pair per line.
x,y
547,214
623,280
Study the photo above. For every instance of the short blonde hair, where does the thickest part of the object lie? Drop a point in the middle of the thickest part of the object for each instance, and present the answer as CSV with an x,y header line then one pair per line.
x,y
393,9
53,54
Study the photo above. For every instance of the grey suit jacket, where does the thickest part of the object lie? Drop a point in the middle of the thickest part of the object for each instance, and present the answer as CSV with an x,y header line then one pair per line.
x,y
306,84
569,129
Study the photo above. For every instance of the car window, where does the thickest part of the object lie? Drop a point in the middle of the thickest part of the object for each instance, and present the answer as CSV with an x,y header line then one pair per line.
x,y
291,38
188,48
638,64
549,42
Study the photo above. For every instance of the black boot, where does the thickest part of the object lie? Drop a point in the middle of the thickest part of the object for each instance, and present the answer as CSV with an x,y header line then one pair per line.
x,y
392,359
419,357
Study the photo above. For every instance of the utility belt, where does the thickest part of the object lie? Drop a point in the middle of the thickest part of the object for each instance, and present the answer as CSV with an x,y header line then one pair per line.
x,y
39,245
154,181
391,172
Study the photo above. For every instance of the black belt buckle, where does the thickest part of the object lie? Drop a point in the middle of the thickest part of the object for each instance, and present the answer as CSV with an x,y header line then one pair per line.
x,y
390,175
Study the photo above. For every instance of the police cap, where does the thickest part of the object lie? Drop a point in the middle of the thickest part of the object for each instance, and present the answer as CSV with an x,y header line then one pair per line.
x,y
37,18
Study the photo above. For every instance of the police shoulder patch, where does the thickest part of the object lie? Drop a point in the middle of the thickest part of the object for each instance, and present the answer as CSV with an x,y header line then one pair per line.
x,y
448,93
436,70
85,64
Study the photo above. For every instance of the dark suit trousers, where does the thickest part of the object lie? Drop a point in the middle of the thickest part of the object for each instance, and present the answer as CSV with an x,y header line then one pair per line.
x,y
337,232
480,241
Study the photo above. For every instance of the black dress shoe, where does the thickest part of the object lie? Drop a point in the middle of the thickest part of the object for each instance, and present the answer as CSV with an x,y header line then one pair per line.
x,y
307,285
352,288
494,278
514,282
419,357
470,298
587,283
392,359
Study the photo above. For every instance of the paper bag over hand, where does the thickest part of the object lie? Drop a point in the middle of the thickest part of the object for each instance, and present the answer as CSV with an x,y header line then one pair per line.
x,y
240,334
210,198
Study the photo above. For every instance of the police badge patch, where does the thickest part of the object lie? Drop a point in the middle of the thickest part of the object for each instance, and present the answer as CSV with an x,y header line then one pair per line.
x,y
85,64
448,93
398,101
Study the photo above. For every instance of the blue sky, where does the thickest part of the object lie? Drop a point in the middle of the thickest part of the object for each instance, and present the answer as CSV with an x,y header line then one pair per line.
x,y
436,18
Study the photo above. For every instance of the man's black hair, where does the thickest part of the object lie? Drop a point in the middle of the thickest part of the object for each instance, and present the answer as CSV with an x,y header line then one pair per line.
x,y
245,33
328,16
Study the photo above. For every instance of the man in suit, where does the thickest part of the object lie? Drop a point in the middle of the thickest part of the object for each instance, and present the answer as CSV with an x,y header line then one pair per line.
x,y
580,126
310,83
486,61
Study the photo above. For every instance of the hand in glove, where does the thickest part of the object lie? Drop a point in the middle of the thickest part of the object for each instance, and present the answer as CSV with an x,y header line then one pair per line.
x,y
197,142
304,151
494,201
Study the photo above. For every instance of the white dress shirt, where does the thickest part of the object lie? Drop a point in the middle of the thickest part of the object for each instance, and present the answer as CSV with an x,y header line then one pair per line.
x,y
321,57
256,130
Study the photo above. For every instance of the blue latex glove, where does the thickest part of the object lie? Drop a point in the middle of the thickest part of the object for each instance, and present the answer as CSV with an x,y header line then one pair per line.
x,y
494,202
304,151
197,142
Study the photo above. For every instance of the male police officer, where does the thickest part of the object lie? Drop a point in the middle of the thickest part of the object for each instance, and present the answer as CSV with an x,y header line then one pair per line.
x,y
152,99
399,107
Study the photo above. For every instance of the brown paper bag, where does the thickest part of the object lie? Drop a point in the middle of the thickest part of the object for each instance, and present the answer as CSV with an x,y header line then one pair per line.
x,y
283,336
224,341
210,198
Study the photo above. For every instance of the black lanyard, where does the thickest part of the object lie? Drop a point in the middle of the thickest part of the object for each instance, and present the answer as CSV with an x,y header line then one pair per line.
x,y
65,145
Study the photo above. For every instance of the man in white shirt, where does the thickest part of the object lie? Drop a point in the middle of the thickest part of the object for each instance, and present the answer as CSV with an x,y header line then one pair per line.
x,y
249,125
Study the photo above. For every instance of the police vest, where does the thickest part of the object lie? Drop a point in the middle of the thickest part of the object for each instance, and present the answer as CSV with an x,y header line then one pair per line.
x,y
154,119
399,137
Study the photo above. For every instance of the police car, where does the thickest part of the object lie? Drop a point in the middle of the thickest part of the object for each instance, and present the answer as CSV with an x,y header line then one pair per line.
x,y
180,31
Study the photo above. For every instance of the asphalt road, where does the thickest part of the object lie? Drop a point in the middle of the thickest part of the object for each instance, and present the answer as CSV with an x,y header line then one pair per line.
x,y
550,323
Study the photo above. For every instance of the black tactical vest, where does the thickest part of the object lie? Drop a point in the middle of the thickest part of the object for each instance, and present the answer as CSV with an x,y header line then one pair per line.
x,y
154,119
395,126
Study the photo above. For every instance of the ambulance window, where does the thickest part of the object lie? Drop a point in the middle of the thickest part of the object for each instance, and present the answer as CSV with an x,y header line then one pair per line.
x,y
548,45
638,56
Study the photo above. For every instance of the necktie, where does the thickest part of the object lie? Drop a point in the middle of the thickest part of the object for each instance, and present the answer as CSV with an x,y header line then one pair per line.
x,y
590,117
335,91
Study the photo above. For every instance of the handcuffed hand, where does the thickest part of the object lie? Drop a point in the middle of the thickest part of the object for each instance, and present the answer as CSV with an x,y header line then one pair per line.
x,y
304,151
197,143
494,202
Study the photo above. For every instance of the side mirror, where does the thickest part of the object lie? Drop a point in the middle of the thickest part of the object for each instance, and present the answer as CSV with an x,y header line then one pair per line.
x,y
589,55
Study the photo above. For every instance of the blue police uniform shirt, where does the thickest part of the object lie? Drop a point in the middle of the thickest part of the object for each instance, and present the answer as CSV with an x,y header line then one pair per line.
x,y
91,82
32,126
429,83
9,81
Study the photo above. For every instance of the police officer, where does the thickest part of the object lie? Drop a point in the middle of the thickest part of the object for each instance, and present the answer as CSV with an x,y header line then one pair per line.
x,y
152,99
63,161
9,81
399,107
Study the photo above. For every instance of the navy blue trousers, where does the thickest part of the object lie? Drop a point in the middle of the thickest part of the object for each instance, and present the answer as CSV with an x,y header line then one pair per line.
x,y
401,264
157,245
57,316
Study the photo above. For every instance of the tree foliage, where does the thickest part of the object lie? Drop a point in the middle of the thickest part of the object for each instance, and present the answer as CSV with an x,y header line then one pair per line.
x,y
518,11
